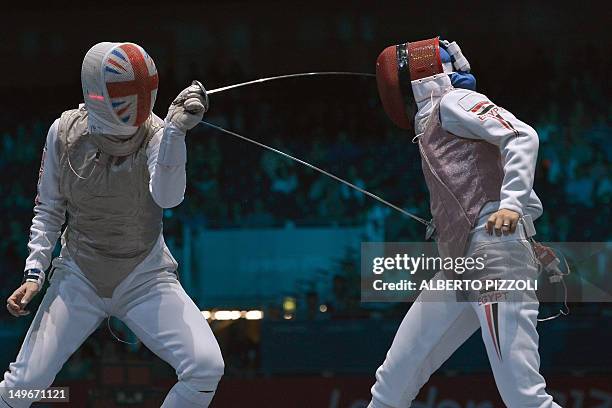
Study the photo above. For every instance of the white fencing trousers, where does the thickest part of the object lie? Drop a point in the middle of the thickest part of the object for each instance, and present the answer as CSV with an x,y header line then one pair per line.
x,y
157,310
432,330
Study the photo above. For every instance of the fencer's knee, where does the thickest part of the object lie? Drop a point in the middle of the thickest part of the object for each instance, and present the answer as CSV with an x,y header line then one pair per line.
x,y
216,365
206,367
28,378
515,391
23,379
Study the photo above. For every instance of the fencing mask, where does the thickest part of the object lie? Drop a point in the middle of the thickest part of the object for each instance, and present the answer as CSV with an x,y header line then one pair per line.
x,y
119,86
399,66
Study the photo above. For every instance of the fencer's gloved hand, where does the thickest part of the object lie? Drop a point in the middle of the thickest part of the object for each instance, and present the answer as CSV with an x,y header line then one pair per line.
x,y
188,109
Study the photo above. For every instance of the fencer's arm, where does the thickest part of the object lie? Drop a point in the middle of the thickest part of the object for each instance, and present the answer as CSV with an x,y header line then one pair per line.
x,y
166,158
472,115
50,206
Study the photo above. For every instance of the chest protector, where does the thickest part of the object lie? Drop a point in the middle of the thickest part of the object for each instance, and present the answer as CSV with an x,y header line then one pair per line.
x,y
462,175
112,220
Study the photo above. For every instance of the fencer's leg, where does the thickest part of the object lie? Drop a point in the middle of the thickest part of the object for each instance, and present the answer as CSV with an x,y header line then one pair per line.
x,y
509,329
430,332
69,312
171,325
511,339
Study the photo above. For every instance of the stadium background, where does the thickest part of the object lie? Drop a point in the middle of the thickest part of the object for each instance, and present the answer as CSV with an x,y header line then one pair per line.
x,y
259,233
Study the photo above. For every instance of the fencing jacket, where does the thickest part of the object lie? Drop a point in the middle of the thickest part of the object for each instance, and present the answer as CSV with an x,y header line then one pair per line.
x,y
164,158
470,116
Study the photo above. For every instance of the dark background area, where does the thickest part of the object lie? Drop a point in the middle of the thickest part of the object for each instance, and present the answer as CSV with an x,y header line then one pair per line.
x,y
546,62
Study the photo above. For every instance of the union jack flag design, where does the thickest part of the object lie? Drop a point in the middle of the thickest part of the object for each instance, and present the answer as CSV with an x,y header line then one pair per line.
x,y
131,83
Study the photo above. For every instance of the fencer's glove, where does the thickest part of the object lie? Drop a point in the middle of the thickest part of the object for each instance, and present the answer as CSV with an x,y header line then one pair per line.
x,y
188,109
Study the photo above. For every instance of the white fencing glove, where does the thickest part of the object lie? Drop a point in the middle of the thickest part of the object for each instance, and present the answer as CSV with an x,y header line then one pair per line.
x,y
188,109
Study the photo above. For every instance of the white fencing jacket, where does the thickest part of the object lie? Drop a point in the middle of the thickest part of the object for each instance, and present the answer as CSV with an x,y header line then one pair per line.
x,y
166,158
472,115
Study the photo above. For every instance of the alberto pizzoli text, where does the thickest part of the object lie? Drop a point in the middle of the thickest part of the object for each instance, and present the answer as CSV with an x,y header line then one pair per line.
x,y
460,285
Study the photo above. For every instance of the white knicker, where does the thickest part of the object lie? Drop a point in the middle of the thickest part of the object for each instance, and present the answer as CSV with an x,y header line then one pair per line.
x,y
157,310
432,330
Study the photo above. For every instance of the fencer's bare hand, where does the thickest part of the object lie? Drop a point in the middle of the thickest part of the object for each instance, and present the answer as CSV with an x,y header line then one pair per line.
x,y
503,221
17,302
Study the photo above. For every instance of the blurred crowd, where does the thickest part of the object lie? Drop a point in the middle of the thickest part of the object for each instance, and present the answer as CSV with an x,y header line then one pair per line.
x,y
338,125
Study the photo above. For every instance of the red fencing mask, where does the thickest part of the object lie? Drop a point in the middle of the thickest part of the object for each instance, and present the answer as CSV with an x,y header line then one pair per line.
x,y
396,67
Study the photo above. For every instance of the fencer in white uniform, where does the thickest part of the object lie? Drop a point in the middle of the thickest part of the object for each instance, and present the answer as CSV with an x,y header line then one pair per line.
x,y
109,168
479,162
